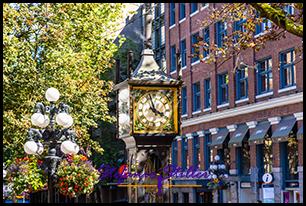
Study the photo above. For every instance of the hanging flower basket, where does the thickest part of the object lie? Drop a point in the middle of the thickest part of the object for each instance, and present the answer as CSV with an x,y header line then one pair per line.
x,y
27,175
218,183
77,176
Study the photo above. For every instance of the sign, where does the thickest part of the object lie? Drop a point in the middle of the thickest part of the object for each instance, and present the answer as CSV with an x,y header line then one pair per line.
x,y
268,193
125,167
267,178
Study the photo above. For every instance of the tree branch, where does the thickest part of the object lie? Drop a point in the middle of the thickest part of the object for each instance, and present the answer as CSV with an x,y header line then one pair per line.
x,y
278,17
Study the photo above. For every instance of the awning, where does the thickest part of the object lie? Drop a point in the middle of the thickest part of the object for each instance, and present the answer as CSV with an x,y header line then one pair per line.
x,y
299,134
259,133
240,135
220,139
281,134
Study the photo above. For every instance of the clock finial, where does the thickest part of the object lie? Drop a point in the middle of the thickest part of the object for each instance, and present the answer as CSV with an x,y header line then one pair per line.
x,y
148,28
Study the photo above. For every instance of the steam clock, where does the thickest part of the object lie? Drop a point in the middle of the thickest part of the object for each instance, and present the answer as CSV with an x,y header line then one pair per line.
x,y
148,114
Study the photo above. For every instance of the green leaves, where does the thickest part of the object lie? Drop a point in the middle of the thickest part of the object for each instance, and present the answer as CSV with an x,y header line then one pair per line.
x,y
66,46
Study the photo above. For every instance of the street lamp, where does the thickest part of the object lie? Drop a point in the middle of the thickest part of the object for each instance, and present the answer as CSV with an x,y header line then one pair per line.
x,y
51,138
217,170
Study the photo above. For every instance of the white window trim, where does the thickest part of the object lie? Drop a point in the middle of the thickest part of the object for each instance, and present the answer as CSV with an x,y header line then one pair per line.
x,y
196,62
185,67
205,7
173,25
287,89
196,112
184,115
207,109
182,20
222,105
194,13
264,95
173,72
241,100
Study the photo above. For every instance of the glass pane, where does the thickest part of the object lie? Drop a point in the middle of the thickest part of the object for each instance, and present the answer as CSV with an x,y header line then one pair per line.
x,y
263,81
288,76
270,81
242,89
292,159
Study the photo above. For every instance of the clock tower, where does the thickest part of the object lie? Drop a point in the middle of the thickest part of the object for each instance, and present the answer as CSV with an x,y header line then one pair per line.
x,y
148,114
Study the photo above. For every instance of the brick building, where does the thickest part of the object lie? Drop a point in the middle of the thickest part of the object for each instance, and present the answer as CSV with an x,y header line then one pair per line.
x,y
252,118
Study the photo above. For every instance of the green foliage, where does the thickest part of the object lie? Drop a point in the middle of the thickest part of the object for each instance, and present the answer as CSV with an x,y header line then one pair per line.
x,y
61,45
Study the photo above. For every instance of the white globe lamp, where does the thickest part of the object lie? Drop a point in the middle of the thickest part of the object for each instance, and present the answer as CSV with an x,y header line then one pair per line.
x,y
124,95
30,147
40,148
215,167
123,119
52,94
37,119
46,122
217,158
67,147
214,176
62,119
225,176
69,123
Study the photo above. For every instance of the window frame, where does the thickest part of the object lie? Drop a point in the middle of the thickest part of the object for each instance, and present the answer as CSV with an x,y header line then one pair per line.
x,y
194,7
240,80
184,52
206,39
172,14
291,66
221,85
221,30
207,89
194,40
173,57
267,73
182,11
196,96
184,100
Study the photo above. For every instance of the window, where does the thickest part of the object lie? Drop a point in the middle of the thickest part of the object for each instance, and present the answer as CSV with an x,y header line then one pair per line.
x,y
207,93
204,5
263,26
183,48
185,156
243,158
239,27
194,49
221,32
206,40
264,155
172,14
208,152
287,69
173,66
196,97
264,75
223,88
196,152
290,160
242,83
183,13
194,7
184,100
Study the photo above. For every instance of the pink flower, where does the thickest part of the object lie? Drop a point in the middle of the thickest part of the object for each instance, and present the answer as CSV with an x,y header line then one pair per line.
x,y
30,187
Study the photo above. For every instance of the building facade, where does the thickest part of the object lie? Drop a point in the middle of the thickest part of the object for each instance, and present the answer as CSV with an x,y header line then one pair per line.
x,y
251,118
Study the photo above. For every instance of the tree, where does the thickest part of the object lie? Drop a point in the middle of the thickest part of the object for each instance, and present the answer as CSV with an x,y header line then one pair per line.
x,y
61,45
245,20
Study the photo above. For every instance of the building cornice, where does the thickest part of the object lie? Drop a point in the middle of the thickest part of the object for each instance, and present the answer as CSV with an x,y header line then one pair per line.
x,y
256,107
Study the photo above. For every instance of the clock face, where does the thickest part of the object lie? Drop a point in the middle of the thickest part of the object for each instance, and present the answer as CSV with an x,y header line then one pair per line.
x,y
154,110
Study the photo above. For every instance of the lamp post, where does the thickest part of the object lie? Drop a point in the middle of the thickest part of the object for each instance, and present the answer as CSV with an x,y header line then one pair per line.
x,y
217,169
51,138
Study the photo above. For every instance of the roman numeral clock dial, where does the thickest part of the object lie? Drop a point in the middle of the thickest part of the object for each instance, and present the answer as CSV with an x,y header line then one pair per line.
x,y
154,110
